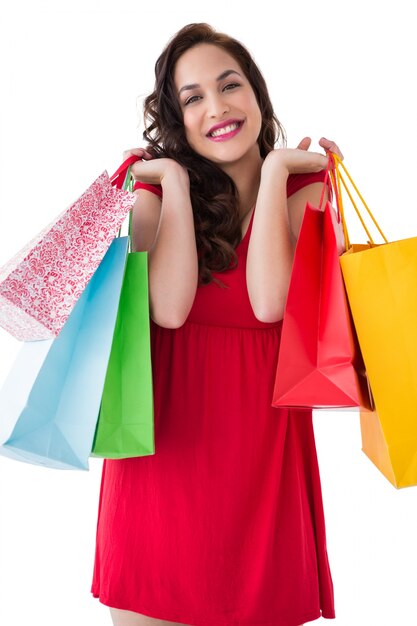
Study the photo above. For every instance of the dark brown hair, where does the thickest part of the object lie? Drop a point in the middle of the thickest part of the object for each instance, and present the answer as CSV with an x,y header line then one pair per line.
x,y
213,193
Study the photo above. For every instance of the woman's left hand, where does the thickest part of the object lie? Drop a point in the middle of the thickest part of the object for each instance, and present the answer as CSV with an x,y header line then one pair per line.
x,y
329,146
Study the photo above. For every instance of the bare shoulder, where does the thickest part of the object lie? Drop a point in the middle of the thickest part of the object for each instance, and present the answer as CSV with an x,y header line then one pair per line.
x,y
145,220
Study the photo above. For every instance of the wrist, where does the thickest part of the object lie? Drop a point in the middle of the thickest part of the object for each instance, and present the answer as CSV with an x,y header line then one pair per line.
x,y
176,174
274,166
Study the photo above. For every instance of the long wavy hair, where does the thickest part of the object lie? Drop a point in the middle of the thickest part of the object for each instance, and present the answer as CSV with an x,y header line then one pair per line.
x,y
214,196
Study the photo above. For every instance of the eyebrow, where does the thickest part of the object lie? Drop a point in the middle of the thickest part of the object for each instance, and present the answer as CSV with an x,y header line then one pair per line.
x,y
221,77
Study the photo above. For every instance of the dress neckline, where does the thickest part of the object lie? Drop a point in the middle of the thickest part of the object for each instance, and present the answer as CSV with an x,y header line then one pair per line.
x,y
249,228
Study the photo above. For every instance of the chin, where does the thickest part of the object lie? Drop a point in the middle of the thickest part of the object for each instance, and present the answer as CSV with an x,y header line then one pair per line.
x,y
229,159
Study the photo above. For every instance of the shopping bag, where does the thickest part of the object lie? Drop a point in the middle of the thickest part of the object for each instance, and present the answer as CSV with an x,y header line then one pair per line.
x,y
381,284
40,285
49,403
125,427
319,362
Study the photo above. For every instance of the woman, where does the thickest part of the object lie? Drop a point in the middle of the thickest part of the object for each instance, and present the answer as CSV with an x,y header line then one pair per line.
x,y
224,525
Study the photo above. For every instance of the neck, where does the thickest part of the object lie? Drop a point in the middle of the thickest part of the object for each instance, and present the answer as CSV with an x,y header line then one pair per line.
x,y
246,174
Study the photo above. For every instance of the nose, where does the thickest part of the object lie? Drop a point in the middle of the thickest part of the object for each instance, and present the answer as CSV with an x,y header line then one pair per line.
x,y
217,106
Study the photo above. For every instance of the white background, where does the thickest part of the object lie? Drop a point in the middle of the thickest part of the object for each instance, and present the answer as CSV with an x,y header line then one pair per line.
x,y
72,78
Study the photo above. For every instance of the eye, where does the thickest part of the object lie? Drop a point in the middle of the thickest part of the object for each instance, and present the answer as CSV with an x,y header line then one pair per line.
x,y
232,85
194,98
190,100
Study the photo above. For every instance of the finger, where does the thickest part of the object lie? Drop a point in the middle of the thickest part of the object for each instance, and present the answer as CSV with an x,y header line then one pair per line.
x,y
304,144
131,152
140,152
330,146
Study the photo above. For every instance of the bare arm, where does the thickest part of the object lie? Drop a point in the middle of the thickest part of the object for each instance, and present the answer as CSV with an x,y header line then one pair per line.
x,y
173,263
167,231
145,220
272,243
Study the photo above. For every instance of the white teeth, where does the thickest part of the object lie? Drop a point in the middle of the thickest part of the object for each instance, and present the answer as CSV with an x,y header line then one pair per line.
x,y
224,130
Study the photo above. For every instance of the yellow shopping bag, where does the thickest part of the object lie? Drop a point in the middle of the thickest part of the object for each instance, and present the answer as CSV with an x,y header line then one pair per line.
x,y
381,285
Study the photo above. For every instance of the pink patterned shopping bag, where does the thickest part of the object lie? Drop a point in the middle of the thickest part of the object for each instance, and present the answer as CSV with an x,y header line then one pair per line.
x,y
40,285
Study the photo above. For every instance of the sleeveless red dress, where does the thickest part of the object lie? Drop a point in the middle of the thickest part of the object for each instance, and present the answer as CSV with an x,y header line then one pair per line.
x,y
224,524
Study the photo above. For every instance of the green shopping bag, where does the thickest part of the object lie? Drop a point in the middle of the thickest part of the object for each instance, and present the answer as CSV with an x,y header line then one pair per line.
x,y
125,426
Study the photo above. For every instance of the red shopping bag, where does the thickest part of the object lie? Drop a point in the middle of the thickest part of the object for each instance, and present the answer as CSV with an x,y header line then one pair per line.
x,y
319,362
41,284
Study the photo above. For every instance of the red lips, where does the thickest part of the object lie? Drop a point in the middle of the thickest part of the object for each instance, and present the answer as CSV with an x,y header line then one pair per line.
x,y
223,124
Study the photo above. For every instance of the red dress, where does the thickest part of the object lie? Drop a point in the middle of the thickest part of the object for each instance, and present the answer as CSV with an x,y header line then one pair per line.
x,y
224,524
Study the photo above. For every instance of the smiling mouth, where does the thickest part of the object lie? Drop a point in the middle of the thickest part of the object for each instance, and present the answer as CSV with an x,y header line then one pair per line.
x,y
219,132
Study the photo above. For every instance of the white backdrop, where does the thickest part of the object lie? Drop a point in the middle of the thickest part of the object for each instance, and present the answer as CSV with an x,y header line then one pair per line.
x,y
72,77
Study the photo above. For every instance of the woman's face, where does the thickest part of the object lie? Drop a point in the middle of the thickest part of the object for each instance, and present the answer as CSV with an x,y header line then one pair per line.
x,y
216,97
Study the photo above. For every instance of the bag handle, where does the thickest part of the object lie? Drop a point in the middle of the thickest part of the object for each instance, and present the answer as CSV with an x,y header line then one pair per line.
x,y
330,173
119,177
326,178
123,179
339,203
338,182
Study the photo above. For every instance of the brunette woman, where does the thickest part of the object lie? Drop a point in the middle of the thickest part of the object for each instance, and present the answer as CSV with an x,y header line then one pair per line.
x,y
224,525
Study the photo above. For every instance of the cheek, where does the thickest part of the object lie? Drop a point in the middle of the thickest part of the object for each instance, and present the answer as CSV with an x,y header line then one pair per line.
x,y
191,127
257,117
256,111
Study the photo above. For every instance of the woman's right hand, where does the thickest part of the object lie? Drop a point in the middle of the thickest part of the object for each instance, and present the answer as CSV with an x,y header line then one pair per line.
x,y
153,170
295,160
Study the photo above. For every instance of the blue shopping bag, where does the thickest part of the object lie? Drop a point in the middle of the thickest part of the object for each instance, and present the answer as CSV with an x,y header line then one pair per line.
x,y
50,402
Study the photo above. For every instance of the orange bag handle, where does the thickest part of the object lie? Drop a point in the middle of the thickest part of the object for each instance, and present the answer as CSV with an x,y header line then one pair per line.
x,y
339,181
